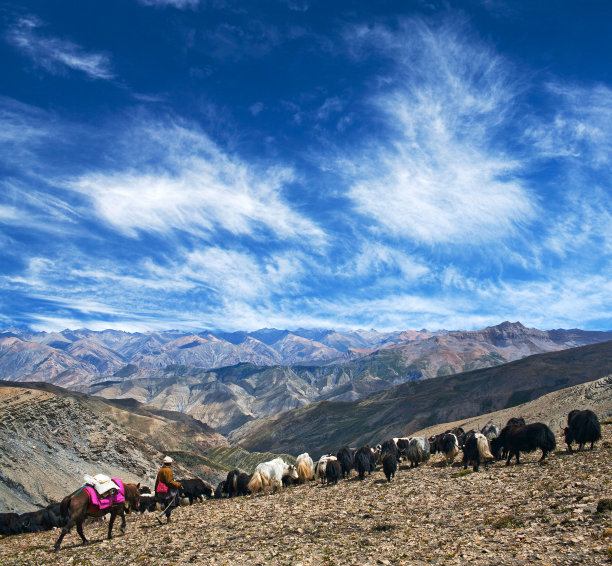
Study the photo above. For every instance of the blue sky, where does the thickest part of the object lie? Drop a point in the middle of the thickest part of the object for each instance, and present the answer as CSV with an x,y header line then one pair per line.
x,y
202,164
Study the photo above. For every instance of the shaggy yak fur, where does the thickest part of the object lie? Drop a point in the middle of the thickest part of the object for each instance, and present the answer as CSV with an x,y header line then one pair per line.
x,y
270,474
389,464
583,427
347,461
333,471
194,489
418,451
476,451
527,438
365,461
388,447
305,467
449,446
236,483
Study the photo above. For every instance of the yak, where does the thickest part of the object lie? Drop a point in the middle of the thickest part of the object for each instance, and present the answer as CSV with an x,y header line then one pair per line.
x,y
582,427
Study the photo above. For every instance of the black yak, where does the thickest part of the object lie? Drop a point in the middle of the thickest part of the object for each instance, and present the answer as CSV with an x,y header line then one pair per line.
x,y
347,461
333,471
195,489
583,427
220,490
524,438
476,450
237,483
389,463
365,461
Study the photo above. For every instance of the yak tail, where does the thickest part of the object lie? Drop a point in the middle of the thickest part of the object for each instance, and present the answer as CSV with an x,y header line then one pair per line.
x,y
304,471
593,430
483,448
256,483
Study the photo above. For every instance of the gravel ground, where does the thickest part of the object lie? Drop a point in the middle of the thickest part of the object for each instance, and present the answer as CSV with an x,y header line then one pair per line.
x,y
527,514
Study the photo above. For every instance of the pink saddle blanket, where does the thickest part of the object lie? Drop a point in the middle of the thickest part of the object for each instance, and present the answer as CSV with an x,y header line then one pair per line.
x,y
104,503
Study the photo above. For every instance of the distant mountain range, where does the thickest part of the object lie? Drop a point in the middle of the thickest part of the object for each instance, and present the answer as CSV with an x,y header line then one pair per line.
x,y
409,407
228,380
75,357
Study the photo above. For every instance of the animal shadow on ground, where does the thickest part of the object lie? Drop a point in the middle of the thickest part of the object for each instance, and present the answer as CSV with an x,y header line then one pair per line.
x,y
90,542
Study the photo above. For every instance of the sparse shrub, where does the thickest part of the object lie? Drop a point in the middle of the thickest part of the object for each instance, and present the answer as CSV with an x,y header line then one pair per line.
x,y
464,473
506,522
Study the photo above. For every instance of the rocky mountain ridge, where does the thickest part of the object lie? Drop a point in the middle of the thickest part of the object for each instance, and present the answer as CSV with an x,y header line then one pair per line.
x,y
78,357
408,407
50,438
237,396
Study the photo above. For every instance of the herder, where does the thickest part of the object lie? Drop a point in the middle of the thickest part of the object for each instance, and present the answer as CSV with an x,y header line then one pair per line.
x,y
166,489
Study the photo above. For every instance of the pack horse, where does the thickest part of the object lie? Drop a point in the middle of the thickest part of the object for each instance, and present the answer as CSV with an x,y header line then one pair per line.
x,y
109,496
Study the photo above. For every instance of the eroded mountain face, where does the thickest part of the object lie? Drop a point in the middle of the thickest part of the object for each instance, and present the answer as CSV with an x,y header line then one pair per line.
x,y
74,358
49,441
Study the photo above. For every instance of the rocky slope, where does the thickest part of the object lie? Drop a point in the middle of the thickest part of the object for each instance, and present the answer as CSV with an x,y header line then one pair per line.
x,y
232,397
557,513
45,453
412,406
50,438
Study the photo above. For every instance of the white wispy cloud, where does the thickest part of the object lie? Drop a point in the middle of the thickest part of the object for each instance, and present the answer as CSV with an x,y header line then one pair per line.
x,y
200,191
375,259
580,127
208,288
54,54
438,177
235,275
574,140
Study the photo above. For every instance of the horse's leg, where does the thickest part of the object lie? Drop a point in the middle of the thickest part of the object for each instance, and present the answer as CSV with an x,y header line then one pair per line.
x,y
65,531
110,524
79,526
122,514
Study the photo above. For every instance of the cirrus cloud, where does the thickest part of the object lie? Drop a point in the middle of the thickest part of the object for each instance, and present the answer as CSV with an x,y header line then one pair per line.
x,y
435,176
196,188
54,54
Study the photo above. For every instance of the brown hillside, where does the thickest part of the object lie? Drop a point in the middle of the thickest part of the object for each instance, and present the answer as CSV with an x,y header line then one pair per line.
x,y
551,409
517,515
50,438
409,407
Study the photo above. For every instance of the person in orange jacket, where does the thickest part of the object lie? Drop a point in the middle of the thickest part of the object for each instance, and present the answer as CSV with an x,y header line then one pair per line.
x,y
166,489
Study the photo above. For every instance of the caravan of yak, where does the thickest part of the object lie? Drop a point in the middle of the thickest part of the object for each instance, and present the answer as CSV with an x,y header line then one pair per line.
x,y
102,495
